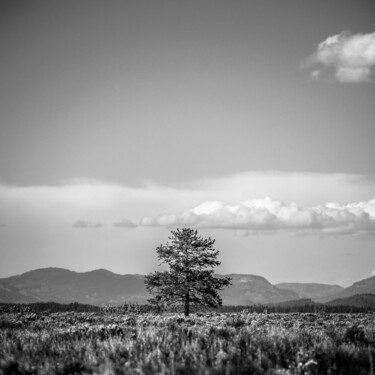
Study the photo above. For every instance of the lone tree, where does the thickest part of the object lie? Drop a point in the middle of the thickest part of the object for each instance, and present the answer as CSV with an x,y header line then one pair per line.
x,y
190,280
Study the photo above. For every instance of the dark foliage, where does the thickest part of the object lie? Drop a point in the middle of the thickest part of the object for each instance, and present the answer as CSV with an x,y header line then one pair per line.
x,y
286,309
46,306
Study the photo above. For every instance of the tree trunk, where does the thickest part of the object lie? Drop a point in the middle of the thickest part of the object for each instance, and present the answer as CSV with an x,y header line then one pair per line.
x,y
187,304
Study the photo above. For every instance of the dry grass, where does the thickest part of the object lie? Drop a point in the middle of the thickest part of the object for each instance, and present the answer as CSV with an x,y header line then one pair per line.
x,y
231,343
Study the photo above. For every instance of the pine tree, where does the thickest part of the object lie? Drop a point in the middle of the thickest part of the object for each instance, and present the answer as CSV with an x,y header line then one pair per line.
x,y
190,280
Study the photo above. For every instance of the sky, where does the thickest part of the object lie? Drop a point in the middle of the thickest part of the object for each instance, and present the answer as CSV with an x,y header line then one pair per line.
x,y
251,121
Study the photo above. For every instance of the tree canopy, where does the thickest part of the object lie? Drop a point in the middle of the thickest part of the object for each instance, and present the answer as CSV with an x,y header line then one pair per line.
x,y
190,280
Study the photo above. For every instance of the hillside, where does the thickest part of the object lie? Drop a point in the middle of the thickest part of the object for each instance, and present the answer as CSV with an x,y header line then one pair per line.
x,y
251,289
365,286
64,286
358,300
311,290
101,287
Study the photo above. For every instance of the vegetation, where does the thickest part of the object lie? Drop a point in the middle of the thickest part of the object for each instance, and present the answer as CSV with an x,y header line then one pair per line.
x,y
204,343
299,308
190,280
133,308
294,338
46,306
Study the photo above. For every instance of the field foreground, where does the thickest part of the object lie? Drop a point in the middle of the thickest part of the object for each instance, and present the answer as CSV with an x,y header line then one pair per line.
x,y
230,343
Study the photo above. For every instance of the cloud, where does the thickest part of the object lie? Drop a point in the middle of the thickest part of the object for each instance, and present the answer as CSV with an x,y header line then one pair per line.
x,y
269,215
352,56
55,205
125,223
86,224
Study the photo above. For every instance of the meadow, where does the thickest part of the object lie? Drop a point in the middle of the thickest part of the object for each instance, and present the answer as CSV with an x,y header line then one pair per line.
x,y
109,341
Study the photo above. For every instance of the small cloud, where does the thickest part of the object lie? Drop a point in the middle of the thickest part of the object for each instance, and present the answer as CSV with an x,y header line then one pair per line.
x,y
352,56
125,223
86,224
373,273
266,215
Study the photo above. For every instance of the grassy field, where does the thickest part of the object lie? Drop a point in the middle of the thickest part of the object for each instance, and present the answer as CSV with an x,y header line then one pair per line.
x,y
209,343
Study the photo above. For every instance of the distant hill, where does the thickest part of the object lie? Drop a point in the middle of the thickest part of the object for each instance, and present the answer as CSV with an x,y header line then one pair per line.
x,y
311,290
101,287
251,289
64,286
10,294
359,300
366,286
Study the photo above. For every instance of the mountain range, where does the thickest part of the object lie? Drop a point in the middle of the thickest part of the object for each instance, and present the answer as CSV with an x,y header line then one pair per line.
x,y
100,287
97,287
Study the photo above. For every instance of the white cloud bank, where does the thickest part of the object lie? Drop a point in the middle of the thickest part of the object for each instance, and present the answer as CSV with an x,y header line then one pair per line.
x,y
268,215
352,56
100,203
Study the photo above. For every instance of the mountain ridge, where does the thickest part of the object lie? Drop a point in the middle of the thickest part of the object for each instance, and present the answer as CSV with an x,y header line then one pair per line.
x,y
311,290
364,286
101,286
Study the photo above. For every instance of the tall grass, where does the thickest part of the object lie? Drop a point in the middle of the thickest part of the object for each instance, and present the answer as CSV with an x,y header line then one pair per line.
x,y
223,343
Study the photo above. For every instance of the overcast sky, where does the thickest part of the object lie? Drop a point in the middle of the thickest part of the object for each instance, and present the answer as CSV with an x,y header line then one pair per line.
x,y
252,121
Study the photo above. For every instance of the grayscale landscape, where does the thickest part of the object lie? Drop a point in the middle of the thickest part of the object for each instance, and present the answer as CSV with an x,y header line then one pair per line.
x,y
187,187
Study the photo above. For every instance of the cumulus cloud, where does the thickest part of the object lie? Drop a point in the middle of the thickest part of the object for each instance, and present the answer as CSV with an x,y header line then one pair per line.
x,y
269,215
54,206
86,224
352,56
125,223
